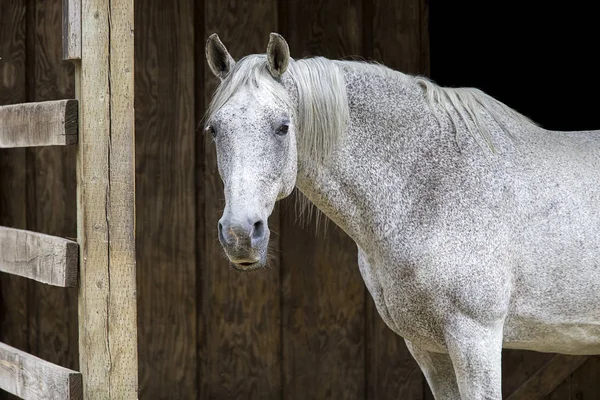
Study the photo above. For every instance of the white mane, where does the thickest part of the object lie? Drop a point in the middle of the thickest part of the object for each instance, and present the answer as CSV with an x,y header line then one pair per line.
x,y
470,104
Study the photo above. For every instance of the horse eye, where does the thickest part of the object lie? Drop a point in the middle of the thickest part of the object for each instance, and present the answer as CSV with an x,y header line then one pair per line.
x,y
211,130
283,129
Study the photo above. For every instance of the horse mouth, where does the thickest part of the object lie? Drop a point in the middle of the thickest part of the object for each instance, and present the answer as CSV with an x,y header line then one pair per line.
x,y
246,266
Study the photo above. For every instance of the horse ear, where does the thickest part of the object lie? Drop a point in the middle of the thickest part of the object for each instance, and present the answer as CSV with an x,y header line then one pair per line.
x,y
219,60
278,55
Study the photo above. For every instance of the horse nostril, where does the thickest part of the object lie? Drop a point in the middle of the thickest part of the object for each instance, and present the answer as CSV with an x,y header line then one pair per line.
x,y
258,230
221,237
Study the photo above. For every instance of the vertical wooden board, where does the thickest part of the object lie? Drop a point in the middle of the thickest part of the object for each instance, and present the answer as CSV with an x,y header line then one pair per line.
x,y
322,312
399,41
201,230
397,34
323,294
105,202
92,181
240,350
71,33
425,56
392,371
13,308
332,29
585,382
51,194
518,366
120,210
165,203
13,47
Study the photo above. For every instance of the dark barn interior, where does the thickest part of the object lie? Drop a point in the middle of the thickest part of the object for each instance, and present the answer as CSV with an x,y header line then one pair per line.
x,y
305,328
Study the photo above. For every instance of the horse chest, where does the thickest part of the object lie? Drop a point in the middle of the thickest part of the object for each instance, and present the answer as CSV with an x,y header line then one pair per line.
x,y
404,306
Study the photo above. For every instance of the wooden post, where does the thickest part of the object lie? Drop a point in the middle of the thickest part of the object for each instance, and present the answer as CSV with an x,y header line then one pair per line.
x,y
71,29
106,216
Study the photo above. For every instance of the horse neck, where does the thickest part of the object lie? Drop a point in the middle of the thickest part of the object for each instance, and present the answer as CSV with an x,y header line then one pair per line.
x,y
389,117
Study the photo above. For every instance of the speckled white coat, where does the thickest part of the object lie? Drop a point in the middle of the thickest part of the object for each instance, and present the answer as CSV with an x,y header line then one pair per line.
x,y
463,249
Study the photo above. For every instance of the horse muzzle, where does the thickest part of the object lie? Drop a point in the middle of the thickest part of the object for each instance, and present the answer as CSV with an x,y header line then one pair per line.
x,y
245,242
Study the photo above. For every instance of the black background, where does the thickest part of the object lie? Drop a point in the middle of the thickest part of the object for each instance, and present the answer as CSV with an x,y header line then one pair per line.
x,y
540,58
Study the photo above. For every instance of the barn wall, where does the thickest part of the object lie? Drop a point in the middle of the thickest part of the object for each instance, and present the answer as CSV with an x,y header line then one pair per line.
x,y
37,186
304,328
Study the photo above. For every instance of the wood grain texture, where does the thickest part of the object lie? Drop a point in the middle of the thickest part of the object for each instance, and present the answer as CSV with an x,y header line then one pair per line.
x,y
399,42
397,34
165,198
585,382
122,300
546,379
107,292
46,123
30,377
14,306
202,231
323,305
582,384
562,391
71,33
43,258
425,55
518,366
51,189
240,342
323,314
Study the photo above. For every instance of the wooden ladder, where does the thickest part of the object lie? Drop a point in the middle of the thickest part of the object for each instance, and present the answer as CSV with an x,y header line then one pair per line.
x,y
98,39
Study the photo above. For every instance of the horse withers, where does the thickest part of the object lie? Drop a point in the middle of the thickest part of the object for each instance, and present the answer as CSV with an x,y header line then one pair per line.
x,y
476,229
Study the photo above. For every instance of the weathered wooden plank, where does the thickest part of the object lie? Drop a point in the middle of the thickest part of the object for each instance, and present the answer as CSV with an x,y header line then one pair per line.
x,y
425,56
563,390
165,197
51,189
107,290
545,380
122,317
323,305
71,29
585,383
14,308
240,312
202,231
30,377
44,258
399,43
46,123
520,365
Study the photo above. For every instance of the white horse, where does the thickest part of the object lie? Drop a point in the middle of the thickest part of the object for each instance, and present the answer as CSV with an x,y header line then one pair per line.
x,y
476,229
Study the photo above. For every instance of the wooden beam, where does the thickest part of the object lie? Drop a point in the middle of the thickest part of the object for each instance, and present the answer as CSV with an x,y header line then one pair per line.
x,y
46,123
105,201
47,259
29,377
71,37
544,381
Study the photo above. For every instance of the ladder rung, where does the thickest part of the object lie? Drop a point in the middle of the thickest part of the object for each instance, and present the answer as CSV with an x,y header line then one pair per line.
x,y
44,258
29,377
46,123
